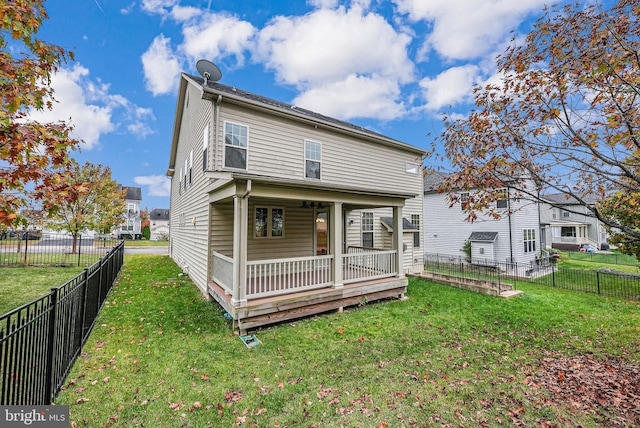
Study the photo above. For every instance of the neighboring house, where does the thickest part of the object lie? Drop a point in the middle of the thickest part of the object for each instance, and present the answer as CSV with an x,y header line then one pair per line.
x,y
278,212
131,228
568,224
514,238
159,224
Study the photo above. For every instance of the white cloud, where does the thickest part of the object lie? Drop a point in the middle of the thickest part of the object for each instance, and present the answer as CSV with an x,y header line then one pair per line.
x,y
161,67
326,46
157,6
450,87
355,96
329,4
216,36
73,95
91,109
184,13
464,29
158,185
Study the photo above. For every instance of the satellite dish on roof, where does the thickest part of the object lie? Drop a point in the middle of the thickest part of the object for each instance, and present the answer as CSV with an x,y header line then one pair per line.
x,y
208,70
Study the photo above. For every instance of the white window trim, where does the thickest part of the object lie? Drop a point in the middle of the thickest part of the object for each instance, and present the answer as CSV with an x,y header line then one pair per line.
x,y
412,168
269,222
224,146
304,165
527,247
362,229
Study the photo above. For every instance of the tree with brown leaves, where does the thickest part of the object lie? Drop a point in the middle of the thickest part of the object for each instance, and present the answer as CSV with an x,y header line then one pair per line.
x,y
30,152
565,114
88,200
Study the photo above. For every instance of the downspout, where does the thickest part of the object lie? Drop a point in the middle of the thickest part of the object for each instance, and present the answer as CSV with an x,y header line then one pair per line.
x,y
248,191
510,226
543,238
217,132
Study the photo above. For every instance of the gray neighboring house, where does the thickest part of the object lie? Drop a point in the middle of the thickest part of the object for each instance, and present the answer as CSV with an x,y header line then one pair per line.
x,y
159,224
509,239
132,226
278,212
567,224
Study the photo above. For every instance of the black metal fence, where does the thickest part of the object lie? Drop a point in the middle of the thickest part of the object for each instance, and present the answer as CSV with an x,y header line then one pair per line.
x,y
40,341
26,249
604,281
608,258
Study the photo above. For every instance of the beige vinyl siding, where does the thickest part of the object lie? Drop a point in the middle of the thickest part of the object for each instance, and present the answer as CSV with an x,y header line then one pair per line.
x,y
276,148
189,207
382,238
222,228
298,232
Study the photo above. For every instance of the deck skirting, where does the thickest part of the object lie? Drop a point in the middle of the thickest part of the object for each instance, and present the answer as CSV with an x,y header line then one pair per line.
x,y
261,312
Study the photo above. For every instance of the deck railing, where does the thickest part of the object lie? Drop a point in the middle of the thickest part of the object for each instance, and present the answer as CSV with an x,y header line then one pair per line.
x,y
373,264
223,271
266,278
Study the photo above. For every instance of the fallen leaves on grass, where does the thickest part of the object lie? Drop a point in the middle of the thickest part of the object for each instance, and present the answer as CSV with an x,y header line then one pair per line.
x,y
610,389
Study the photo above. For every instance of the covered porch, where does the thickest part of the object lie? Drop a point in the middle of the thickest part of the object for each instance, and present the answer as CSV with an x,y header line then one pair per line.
x,y
290,251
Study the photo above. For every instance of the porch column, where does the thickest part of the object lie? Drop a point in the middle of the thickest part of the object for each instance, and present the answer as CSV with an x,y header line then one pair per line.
x,y
398,244
240,224
335,232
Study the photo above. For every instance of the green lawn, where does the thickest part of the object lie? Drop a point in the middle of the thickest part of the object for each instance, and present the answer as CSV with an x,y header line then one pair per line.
x,y
161,355
576,260
145,243
20,285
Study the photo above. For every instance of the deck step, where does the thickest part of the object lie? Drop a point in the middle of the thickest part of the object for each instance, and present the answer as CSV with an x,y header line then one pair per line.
x,y
510,293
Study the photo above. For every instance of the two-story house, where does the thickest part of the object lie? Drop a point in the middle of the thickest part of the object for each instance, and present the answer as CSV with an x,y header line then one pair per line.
x,y
510,238
568,224
278,212
131,227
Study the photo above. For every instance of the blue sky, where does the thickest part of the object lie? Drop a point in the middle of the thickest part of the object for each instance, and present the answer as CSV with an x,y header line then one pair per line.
x,y
393,66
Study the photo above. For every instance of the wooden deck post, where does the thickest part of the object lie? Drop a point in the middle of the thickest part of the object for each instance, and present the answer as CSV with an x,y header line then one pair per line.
x,y
335,224
397,240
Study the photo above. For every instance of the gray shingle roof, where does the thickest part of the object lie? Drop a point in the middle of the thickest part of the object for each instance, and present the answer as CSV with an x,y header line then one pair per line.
x,y
159,214
561,199
407,226
133,193
483,236
274,104
433,179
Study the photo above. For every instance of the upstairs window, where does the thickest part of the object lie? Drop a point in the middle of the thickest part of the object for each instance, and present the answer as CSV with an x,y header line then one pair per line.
x,y
367,229
503,199
205,146
412,168
235,145
464,201
312,159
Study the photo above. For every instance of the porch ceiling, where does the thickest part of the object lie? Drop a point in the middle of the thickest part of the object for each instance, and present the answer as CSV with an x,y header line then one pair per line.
x,y
304,190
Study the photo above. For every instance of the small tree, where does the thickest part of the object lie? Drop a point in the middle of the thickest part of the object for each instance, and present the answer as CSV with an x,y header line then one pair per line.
x,y
565,114
30,152
88,200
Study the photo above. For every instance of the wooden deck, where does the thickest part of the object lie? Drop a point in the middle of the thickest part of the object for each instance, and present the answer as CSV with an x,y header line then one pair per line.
x,y
270,310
